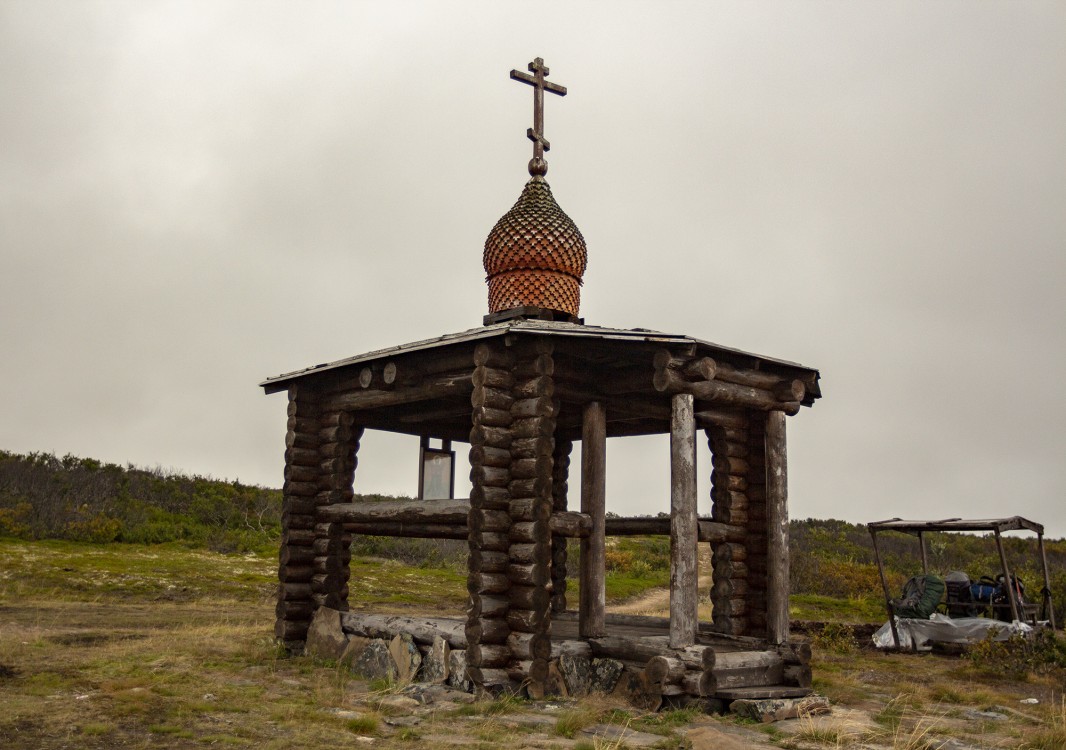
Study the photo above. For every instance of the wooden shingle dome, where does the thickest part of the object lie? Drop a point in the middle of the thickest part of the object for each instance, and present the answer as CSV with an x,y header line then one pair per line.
x,y
535,256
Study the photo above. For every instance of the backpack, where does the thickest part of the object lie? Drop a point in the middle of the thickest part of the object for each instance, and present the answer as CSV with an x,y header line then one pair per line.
x,y
960,600
1001,597
921,594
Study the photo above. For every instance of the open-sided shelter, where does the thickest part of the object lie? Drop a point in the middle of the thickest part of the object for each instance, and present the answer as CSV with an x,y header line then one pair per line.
x,y
522,389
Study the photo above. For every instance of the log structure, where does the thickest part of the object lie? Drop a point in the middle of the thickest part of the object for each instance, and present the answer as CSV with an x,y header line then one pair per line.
x,y
521,390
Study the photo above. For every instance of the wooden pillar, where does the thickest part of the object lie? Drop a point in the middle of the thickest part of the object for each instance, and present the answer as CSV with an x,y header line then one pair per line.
x,y
1011,593
732,486
530,554
337,449
296,557
684,569
777,583
560,475
489,521
591,615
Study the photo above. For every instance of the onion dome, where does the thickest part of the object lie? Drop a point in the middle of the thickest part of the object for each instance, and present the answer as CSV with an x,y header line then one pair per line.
x,y
535,256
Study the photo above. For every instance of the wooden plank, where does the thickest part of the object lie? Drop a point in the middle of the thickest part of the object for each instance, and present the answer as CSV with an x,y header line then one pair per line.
x,y
593,602
765,691
684,532
777,574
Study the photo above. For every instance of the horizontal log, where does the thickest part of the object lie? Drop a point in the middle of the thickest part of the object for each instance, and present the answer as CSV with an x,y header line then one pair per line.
x,y
441,386
409,530
491,398
488,654
542,364
524,646
489,583
532,427
295,573
490,476
529,509
300,537
295,609
570,524
497,541
492,356
492,417
491,377
497,437
489,520
488,456
529,597
723,392
484,630
664,669
295,521
488,606
484,497
488,562
422,629
526,620
410,511
529,575
291,630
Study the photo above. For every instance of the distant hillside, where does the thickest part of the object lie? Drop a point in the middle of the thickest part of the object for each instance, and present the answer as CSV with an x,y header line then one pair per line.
x,y
44,496
82,499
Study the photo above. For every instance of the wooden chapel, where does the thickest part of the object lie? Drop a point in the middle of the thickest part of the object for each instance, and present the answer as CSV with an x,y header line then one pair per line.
x,y
522,389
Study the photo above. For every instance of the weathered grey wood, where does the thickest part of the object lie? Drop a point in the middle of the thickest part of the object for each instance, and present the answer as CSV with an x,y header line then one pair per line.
x,y
757,693
409,530
777,583
665,669
440,386
409,511
722,392
684,594
593,602
422,629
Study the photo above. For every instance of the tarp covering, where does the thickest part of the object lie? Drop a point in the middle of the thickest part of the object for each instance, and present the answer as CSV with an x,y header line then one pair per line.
x,y
921,633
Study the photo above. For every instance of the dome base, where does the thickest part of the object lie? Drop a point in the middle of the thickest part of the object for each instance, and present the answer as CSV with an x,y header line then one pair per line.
x,y
529,312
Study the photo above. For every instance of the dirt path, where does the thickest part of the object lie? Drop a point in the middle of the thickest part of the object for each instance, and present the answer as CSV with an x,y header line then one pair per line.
x,y
655,602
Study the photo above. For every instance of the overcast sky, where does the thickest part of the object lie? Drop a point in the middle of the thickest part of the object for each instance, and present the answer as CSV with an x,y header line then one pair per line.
x,y
198,195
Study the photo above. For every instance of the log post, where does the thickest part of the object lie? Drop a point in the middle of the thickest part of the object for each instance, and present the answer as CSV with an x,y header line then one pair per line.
x,y
684,594
488,522
560,474
777,580
594,504
531,500
730,495
338,459
294,607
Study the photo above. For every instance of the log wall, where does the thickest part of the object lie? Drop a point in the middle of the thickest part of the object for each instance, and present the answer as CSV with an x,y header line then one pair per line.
x,y
560,486
338,446
531,491
489,521
730,454
296,556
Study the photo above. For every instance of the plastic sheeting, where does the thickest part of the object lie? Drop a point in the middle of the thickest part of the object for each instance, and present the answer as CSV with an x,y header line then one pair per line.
x,y
920,634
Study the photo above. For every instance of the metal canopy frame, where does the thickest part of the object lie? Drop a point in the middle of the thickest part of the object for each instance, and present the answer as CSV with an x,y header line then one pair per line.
x,y
995,525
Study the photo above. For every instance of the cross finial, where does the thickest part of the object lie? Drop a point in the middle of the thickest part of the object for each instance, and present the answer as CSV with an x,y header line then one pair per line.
x,y
538,167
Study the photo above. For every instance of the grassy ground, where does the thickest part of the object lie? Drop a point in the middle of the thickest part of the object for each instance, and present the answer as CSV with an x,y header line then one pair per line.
x,y
165,647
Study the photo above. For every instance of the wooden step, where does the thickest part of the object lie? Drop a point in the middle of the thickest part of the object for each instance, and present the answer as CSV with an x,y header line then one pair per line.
x,y
765,691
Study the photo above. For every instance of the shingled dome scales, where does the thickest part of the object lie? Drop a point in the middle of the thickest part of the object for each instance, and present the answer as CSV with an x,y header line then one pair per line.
x,y
535,256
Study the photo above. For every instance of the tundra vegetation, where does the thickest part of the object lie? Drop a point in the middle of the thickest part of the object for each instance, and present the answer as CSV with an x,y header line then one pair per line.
x,y
136,610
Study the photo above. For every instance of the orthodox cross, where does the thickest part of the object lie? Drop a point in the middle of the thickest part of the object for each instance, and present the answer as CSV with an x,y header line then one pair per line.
x,y
537,165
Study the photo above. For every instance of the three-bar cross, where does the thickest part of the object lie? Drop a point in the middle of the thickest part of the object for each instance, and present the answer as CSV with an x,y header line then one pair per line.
x,y
538,166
